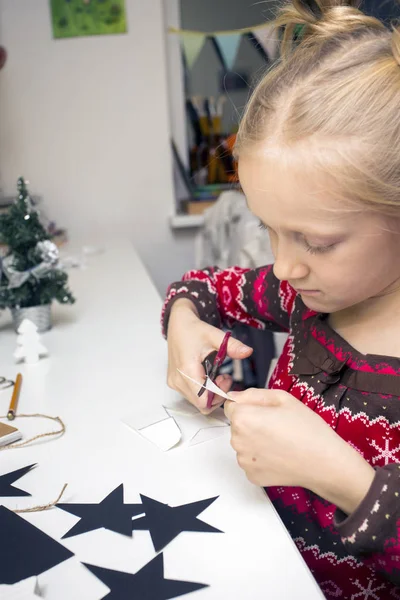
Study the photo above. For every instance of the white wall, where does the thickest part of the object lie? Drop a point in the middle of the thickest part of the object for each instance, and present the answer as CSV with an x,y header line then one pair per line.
x,y
86,121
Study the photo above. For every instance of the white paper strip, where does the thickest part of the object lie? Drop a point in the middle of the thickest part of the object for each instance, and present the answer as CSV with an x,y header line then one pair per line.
x,y
209,385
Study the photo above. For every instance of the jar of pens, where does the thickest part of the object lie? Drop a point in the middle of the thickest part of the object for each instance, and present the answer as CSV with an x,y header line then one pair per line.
x,y
212,166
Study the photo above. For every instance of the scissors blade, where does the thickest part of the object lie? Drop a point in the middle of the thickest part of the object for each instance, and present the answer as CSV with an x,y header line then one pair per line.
x,y
208,366
219,359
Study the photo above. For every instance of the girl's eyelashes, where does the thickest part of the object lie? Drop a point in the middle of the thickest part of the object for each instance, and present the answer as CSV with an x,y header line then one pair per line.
x,y
309,248
318,249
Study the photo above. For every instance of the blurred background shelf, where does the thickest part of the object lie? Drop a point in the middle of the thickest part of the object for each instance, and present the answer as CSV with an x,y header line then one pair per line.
x,y
186,221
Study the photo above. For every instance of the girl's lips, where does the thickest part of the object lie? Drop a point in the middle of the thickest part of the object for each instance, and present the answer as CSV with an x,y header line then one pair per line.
x,y
308,292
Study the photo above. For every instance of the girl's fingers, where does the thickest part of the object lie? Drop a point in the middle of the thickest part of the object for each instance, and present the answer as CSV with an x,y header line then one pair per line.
x,y
190,386
224,382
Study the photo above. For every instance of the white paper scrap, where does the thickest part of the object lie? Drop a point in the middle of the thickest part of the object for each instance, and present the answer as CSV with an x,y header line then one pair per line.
x,y
209,385
144,415
207,434
23,590
191,426
165,434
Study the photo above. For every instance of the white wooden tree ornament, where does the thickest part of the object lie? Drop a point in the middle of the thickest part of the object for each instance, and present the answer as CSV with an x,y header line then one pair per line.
x,y
29,346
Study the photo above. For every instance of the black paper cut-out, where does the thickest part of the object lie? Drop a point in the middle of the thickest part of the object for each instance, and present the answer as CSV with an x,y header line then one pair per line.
x,y
6,481
111,513
27,551
146,584
165,522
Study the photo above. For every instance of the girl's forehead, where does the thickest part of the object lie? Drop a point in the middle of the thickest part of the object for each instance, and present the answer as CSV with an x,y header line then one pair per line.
x,y
277,188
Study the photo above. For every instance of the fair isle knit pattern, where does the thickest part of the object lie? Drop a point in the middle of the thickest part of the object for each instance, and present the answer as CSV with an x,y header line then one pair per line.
x,y
354,557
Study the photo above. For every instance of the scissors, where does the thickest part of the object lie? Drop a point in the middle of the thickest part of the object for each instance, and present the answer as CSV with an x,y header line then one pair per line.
x,y
5,383
212,364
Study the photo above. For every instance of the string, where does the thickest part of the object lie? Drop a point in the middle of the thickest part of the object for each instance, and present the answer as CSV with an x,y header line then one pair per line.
x,y
59,432
45,507
243,30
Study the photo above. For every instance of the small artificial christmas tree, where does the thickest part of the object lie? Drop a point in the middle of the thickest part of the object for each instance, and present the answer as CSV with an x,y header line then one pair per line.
x,y
29,346
29,275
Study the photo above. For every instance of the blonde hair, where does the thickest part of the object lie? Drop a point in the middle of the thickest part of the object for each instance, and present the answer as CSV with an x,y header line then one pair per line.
x,y
336,95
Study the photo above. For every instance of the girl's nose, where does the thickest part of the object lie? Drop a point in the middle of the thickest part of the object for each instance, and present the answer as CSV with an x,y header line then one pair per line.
x,y
287,266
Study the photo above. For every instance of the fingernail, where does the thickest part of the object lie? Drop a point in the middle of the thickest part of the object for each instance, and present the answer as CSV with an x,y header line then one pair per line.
x,y
234,394
244,349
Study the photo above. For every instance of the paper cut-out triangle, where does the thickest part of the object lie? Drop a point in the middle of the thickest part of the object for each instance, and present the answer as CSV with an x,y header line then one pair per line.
x,y
6,481
146,584
111,513
165,522
27,551
164,434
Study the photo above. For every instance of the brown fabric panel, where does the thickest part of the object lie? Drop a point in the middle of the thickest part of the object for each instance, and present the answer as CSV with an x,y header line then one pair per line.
x,y
315,359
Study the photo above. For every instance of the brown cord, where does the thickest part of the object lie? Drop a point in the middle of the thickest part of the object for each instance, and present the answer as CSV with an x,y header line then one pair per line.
x,y
59,432
45,507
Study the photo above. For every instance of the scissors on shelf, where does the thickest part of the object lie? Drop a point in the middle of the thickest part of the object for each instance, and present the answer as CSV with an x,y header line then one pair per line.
x,y
212,364
5,383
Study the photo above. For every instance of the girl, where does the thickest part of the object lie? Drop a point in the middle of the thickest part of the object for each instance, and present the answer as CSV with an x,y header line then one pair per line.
x,y
319,162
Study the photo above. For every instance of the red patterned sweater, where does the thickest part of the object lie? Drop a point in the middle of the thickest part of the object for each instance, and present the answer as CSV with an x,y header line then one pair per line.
x,y
354,557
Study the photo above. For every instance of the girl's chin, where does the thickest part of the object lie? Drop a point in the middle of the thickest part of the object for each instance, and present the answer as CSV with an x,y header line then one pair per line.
x,y
314,302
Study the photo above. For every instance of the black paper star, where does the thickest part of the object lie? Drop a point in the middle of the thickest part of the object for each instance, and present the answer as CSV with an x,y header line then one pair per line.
x,y
6,489
166,522
26,551
111,513
146,584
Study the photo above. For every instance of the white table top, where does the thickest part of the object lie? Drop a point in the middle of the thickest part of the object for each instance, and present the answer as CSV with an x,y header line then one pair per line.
x,y
106,355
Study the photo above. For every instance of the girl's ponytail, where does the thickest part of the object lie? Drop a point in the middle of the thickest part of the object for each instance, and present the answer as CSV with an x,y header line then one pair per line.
x,y
321,20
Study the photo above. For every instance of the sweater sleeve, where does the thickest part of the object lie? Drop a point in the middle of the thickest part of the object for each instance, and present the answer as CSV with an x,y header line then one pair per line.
x,y
222,297
372,531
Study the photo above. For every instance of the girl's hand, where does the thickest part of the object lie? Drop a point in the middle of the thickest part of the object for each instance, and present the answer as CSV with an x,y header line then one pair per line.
x,y
279,441
190,340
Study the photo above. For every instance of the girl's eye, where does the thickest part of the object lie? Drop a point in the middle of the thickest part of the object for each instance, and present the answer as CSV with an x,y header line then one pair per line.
x,y
309,248
318,249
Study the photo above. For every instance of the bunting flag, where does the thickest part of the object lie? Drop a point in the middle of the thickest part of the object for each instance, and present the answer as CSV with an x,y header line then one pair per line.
x,y
192,45
229,46
268,39
227,42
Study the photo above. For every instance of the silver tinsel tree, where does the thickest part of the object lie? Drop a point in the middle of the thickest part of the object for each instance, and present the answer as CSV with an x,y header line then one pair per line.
x,y
29,274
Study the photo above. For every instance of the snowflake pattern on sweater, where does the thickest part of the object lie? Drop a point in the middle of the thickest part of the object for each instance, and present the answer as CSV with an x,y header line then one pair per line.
x,y
354,557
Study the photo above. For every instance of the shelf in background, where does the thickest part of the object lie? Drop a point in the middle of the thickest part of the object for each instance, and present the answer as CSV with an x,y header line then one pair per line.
x,y
186,221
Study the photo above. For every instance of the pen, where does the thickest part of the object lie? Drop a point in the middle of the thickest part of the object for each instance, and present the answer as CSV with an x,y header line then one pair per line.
x,y
14,398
